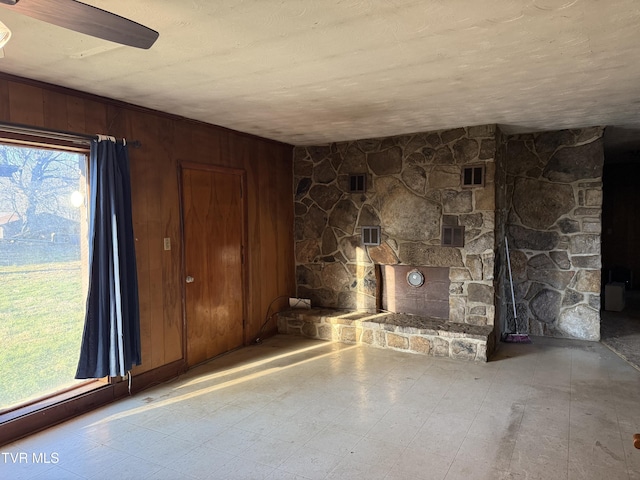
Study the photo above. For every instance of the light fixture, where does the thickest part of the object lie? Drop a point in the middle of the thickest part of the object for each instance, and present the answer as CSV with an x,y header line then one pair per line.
x,y
415,278
5,34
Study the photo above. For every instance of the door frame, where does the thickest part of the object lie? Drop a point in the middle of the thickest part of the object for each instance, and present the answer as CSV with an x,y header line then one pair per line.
x,y
242,174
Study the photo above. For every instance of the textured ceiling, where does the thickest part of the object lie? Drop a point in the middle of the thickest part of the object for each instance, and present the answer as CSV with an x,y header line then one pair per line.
x,y
316,71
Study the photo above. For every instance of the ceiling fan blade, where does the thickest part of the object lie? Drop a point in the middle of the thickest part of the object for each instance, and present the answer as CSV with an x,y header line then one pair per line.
x,y
86,19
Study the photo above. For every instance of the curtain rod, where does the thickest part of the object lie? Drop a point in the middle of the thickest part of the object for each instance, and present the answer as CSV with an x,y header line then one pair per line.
x,y
52,134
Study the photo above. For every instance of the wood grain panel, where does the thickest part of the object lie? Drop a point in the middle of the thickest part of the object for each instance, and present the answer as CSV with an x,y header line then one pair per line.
x,y
284,225
171,259
255,283
145,130
119,122
75,114
156,291
142,264
95,117
4,101
54,105
183,146
268,221
143,227
25,104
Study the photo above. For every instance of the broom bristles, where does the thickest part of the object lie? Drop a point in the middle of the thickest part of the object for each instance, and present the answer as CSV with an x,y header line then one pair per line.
x,y
516,338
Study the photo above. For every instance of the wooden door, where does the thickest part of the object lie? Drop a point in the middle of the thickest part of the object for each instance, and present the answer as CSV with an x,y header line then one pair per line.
x,y
213,222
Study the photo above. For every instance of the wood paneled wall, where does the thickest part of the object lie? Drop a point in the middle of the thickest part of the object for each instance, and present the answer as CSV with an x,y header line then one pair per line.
x,y
166,141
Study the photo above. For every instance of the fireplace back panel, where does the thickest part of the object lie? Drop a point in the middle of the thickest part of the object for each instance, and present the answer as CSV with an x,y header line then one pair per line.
x,y
431,299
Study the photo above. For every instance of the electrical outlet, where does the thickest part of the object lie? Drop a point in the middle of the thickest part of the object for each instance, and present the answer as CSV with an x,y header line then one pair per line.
x,y
167,243
299,302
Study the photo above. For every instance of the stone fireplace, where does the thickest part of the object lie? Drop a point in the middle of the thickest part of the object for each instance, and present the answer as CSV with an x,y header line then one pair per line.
x,y
422,191
414,189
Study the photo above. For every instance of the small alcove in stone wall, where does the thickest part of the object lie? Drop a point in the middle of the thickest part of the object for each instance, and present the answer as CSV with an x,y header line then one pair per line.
x,y
417,290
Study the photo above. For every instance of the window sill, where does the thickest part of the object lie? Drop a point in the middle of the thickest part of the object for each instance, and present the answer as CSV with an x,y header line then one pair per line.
x,y
84,398
49,401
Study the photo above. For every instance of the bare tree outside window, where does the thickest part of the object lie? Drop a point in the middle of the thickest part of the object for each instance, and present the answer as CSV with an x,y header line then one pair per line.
x,y
37,185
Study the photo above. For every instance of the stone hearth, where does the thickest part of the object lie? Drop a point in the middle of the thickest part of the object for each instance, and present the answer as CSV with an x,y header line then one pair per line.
x,y
403,332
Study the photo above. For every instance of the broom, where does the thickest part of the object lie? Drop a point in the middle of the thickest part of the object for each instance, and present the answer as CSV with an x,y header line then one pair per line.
x,y
516,337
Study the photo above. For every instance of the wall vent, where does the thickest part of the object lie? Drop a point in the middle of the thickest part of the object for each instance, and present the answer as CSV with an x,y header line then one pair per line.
x,y
371,235
357,183
452,236
473,176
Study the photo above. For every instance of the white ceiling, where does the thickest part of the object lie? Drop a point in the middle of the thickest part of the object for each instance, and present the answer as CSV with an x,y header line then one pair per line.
x,y
316,71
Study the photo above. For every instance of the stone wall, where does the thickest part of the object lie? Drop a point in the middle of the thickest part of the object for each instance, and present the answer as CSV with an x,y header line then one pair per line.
x,y
413,187
554,201
543,191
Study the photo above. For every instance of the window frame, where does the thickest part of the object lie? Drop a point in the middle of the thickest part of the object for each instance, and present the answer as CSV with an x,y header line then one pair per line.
x,y
55,141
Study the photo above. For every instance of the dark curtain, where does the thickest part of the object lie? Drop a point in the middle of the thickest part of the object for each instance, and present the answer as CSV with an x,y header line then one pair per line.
x,y
111,338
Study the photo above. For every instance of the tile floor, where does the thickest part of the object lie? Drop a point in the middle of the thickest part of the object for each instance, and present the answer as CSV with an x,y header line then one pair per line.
x,y
620,331
295,408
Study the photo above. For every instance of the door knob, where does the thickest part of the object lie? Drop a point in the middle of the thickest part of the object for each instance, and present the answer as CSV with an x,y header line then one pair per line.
x,y
190,279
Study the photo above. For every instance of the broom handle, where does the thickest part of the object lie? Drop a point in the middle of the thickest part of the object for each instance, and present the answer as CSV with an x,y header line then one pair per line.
x,y
513,297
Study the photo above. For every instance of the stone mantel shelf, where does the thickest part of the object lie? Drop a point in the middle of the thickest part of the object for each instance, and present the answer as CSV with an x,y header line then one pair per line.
x,y
412,333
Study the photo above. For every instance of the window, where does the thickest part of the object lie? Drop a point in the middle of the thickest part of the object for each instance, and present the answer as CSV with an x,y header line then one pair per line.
x,y
473,176
43,267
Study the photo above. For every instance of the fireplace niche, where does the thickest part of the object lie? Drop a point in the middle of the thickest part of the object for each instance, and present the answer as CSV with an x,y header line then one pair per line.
x,y
417,290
